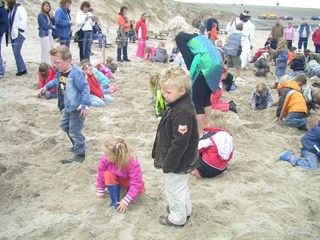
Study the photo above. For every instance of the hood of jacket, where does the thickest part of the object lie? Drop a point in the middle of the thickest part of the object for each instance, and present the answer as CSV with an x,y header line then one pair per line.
x,y
292,84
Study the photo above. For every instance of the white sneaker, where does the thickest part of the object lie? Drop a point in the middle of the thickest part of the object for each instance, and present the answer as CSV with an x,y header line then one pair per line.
x,y
240,79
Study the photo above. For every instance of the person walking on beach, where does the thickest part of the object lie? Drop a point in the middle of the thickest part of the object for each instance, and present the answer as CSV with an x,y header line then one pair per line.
x,y
18,18
73,97
175,148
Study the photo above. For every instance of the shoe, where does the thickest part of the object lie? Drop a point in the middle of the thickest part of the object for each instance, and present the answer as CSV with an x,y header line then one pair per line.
x,y
165,221
127,60
168,211
21,73
119,60
77,158
286,156
232,106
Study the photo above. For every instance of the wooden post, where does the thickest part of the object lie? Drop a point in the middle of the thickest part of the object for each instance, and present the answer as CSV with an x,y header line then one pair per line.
x,y
104,50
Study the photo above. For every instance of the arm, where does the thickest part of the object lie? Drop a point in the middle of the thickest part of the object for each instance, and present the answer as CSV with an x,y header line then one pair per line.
x,y
60,21
253,102
43,22
82,85
80,18
224,143
22,17
121,22
282,97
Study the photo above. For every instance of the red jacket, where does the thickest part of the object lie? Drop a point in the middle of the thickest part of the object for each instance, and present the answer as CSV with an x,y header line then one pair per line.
x,y
316,37
143,31
216,150
51,76
95,88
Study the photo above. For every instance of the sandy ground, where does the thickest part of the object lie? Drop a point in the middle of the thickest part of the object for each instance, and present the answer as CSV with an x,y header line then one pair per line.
x,y
258,198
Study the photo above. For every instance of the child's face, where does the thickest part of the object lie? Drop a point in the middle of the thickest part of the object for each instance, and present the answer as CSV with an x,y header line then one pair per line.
x,y
89,70
110,156
171,93
59,64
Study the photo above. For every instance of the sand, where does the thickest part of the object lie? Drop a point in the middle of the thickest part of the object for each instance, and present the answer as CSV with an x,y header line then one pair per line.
x,y
258,198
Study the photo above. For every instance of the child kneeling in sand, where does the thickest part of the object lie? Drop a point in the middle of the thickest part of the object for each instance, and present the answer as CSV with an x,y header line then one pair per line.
x,y
261,97
310,149
176,144
118,168
215,148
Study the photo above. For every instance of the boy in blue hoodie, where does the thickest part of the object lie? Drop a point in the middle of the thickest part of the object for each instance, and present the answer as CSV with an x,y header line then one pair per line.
x,y
310,150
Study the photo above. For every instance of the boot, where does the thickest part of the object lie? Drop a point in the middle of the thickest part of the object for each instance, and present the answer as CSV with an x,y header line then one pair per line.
x,y
119,55
275,85
114,191
232,106
286,156
125,54
80,157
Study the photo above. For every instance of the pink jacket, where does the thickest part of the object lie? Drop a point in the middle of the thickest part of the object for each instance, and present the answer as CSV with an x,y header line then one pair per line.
x,y
132,173
288,33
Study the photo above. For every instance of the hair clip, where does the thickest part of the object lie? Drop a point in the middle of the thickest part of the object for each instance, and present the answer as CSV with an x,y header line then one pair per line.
x,y
117,146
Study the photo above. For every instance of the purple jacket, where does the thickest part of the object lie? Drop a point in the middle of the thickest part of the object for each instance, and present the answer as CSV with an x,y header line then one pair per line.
x,y
132,173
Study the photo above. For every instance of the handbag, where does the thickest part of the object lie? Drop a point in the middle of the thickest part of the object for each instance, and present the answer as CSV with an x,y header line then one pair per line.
x,y
79,35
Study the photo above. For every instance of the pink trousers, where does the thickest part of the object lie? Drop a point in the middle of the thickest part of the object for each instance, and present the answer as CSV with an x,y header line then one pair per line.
x,y
142,43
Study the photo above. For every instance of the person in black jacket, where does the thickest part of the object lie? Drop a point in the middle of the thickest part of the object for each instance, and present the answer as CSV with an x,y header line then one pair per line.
x,y
175,149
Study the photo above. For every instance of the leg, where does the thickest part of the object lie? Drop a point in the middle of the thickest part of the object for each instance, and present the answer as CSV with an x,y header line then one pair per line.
x,y
96,101
45,48
305,44
1,61
297,120
300,43
17,46
309,162
113,186
119,50
176,187
75,131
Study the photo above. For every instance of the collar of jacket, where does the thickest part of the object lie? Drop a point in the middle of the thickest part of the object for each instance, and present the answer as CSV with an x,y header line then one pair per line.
x,y
183,98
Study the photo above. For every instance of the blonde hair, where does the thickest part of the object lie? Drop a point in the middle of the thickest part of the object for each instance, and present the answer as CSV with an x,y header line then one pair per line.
x,y
85,64
282,44
162,44
218,119
219,43
117,147
61,51
154,85
175,77
261,88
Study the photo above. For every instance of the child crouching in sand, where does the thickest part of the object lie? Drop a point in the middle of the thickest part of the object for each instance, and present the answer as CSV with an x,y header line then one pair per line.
x,y
160,103
118,168
46,74
215,148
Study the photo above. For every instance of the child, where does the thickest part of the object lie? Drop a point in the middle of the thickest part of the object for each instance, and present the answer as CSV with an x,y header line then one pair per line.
x,y
219,45
161,54
73,97
228,82
160,102
261,97
118,168
261,66
102,68
149,53
215,148
291,104
174,53
313,69
131,32
281,61
111,64
97,97
176,144
298,62
46,74
233,50
310,150
291,54
214,33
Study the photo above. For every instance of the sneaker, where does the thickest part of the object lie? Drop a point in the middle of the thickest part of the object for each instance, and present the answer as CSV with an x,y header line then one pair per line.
x,y
21,73
165,221
127,60
233,106
286,156
77,158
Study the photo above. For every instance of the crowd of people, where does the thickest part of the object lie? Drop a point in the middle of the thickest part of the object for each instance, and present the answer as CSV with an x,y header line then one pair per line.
x,y
190,138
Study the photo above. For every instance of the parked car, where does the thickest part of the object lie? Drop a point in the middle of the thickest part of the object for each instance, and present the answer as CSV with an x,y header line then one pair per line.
x,y
270,16
285,18
315,18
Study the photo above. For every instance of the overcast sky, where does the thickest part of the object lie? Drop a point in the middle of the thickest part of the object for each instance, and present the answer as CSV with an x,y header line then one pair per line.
x,y
283,3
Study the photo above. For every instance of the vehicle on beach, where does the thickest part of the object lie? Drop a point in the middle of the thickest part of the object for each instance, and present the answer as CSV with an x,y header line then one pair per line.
x,y
285,18
269,16
315,18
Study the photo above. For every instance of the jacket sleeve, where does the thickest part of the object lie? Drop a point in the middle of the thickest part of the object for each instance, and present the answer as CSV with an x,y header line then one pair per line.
x,y
103,80
52,84
282,97
136,182
102,167
43,22
121,22
137,27
182,125
82,85
59,21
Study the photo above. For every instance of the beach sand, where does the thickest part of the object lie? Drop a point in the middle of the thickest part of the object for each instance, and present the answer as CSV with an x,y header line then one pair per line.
x,y
258,198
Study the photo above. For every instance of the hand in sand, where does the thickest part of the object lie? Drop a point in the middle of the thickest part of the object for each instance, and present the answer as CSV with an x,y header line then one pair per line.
x,y
42,90
122,207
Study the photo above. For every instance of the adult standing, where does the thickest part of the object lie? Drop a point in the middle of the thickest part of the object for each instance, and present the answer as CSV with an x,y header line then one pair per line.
x,y
210,22
205,65
248,33
276,33
288,35
63,22
18,19
45,18
142,33
3,28
122,38
85,22
316,39
304,30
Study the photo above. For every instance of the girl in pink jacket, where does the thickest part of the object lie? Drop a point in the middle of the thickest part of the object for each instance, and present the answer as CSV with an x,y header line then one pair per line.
x,y
119,169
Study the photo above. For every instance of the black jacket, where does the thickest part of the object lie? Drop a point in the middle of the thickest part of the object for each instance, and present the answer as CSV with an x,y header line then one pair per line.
x,y
175,149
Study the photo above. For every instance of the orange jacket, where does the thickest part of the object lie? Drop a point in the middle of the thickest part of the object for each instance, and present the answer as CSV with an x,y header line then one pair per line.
x,y
294,100
122,22
214,34
290,56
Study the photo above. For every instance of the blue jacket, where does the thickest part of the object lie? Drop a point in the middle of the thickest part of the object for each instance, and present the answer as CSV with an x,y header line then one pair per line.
x,y
311,138
3,19
44,24
62,23
77,90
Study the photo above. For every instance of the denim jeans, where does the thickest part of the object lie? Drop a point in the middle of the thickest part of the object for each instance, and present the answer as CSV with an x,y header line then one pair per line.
x,y
99,36
317,48
1,61
310,160
72,124
65,42
98,102
16,48
297,120
304,41
87,43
